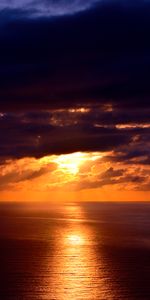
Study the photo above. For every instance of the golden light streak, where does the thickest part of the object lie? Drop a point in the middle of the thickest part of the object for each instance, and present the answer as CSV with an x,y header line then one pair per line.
x,y
132,125
79,110
75,268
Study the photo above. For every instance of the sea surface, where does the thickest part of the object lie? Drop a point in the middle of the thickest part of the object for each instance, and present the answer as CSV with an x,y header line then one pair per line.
x,y
75,251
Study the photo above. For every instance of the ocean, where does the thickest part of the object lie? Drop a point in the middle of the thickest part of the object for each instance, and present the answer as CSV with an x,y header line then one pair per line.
x,y
75,251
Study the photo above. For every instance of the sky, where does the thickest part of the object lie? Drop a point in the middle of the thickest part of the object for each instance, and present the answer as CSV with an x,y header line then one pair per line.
x,y
74,100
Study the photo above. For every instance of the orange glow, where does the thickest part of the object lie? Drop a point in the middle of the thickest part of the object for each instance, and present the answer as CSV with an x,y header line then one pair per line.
x,y
74,177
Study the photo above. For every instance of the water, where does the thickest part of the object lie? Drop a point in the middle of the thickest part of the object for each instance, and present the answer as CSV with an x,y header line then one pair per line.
x,y
75,251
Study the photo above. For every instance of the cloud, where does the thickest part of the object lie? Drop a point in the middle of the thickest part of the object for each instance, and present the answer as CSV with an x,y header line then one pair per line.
x,y
119,178
109,173
14,172
47,8
59,8
36,134
27,136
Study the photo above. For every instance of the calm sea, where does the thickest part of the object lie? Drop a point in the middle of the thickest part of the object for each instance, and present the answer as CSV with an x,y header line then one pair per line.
x,y
75,251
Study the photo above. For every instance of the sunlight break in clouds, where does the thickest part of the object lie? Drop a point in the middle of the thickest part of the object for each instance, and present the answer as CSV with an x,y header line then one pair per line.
x,y
70,163
73,172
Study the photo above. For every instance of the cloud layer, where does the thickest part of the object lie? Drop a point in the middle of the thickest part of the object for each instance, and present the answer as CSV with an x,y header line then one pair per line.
x,y
78,82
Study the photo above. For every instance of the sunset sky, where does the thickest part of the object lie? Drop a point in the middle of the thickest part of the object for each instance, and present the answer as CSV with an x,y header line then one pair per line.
x,y
74,100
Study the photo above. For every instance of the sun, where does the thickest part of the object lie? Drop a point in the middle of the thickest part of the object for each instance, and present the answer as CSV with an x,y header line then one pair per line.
x,y
70,163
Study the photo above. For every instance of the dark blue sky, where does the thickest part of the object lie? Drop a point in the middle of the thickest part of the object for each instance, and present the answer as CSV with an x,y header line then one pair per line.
x,y
101,54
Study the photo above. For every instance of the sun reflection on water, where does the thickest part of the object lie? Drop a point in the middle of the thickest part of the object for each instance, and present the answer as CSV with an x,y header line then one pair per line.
x,y
76,271
75,239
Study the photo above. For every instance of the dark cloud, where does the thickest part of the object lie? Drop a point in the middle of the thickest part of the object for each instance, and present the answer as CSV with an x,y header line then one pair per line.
x,y
64,131
119,177
137,153
112,173
23,138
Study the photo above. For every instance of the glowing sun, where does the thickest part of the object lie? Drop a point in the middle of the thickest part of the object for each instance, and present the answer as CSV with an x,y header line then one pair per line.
x,y
70,163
